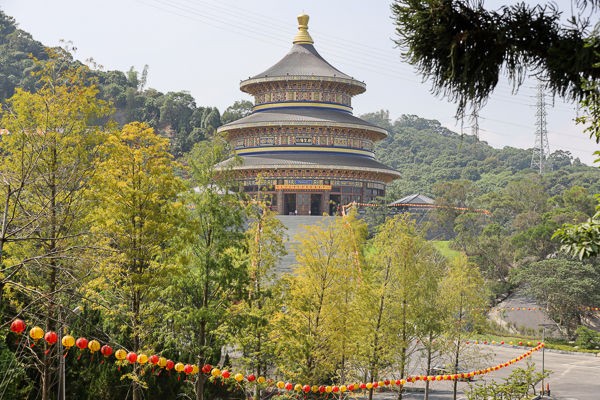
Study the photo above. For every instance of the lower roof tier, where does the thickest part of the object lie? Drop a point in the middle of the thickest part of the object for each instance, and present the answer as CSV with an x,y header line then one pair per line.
x,y
304,117
316,162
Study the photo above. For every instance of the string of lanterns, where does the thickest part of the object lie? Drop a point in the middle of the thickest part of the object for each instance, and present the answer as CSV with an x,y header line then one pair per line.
x,y
36,333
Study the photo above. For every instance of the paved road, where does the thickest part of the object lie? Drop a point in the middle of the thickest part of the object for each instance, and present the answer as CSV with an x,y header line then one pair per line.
x,y
574,377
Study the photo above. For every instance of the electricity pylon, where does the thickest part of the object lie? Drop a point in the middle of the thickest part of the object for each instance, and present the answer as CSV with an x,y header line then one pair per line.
x,y
540,159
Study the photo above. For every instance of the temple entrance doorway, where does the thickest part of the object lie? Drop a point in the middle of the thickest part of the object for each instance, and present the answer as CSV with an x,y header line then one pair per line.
x,y
334,202
290,203
315,204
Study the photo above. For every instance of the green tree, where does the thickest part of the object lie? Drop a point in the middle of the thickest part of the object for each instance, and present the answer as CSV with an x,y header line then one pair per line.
x,y
238,110
265,243
462,290
138,210
213,257
564,286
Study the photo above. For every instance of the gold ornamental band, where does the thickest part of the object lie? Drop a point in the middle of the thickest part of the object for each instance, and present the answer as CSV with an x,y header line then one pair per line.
x,y
297,187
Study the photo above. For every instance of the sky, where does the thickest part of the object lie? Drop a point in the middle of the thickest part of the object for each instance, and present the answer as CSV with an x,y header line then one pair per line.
x,y
207,47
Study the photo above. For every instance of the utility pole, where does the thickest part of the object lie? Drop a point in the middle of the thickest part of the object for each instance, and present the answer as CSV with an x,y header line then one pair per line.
x,y
540,159
543,358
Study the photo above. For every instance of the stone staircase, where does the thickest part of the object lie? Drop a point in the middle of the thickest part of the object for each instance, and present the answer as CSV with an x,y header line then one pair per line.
x,y
293,224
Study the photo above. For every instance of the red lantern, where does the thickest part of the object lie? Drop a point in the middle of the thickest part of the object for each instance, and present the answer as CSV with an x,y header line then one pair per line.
x,y
153,359
417,378
335,389
170,364
398,381
322,389
289,386
51,338
106,350
226,374
206,369
375,384
501,342
520,343
82,343
131,357
251,378
17,326
350,387
387,381
188,369
306,388
363,386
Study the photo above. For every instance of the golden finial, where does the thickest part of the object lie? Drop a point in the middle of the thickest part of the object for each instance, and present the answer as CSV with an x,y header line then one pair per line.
x,y
302,36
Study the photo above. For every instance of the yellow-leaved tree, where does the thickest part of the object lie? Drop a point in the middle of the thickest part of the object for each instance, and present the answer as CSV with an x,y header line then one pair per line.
x,y
399,273
138,210
50,151
315,334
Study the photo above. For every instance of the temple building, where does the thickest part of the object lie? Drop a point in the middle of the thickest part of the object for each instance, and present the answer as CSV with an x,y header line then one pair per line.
x,y
311,153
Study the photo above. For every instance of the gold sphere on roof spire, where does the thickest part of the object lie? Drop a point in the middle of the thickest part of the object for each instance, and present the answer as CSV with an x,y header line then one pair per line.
x,y
302,37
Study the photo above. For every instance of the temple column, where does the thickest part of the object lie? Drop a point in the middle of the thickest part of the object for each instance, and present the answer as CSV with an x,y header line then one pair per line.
x,y
325,205
280,204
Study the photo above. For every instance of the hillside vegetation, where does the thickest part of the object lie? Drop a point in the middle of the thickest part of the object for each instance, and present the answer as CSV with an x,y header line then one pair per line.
x,y
425,153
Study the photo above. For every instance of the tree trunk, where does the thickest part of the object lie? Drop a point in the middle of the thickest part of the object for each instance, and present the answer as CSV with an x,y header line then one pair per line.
x,y
428,368
201,362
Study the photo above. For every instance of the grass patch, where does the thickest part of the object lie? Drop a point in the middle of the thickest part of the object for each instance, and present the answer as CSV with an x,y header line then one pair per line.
x,y
443,247
550,344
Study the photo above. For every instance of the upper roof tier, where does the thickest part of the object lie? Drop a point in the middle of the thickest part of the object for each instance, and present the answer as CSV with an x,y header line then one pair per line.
x,y
303,62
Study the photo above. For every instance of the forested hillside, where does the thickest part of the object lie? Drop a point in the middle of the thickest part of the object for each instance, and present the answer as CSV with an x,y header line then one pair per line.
x,y
425,153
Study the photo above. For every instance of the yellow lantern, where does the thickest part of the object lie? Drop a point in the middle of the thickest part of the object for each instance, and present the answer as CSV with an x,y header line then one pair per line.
x,y
261,379
342,388
314,389
438,378
121,354
68,341
142,359
369,385
493,342
280,385
195,369
511,343
381,383
162,362
402,382
36,333
179,367
239,377
215,372
298,387
94,346
328,389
